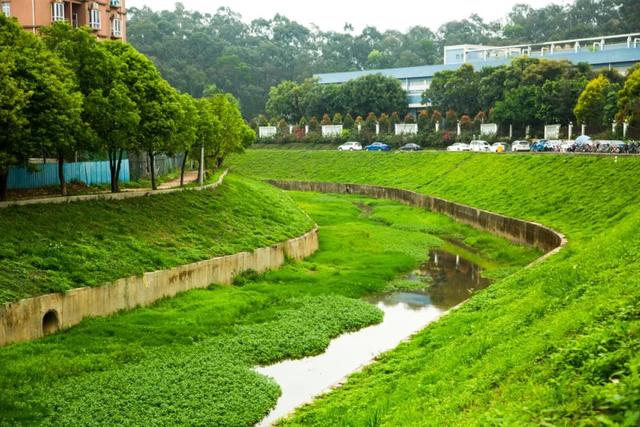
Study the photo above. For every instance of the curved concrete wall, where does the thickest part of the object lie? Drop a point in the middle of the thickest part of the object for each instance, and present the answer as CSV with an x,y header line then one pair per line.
x,y
28,319
516,230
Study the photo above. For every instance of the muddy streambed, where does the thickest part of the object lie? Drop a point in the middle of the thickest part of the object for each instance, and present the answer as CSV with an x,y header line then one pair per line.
x,y
448,280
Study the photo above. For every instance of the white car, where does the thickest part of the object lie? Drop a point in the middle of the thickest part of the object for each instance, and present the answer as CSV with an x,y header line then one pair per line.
x,y
350,146
459,146
479,146
520,146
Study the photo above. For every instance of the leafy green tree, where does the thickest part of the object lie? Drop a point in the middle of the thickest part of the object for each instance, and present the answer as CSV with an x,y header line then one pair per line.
x,y
590,108
40,109
373,93
385,123
424,123
556,99
348,121
186,132
395,118
337,119
455,89
158,104
285,100
451,119
629,101
518,108
370,122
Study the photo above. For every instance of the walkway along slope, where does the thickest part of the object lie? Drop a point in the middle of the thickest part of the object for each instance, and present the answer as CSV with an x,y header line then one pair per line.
x,y
36,317
517,230
132,194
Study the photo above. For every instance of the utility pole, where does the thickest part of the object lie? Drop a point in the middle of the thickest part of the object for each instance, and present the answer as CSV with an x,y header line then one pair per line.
x,y
201,174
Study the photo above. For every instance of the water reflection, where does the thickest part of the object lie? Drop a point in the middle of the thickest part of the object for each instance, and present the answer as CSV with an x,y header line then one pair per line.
x,y
451,280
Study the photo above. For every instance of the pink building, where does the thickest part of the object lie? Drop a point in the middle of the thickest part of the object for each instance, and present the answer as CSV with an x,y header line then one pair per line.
x,y
106,18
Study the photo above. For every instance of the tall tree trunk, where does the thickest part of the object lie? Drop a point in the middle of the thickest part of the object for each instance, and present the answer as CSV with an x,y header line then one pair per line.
x,y
184,165
4,185
118,167
112,171
61,177
152,166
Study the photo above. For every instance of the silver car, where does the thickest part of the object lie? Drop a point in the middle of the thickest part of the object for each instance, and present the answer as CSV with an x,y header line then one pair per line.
x,y
520,146
459,146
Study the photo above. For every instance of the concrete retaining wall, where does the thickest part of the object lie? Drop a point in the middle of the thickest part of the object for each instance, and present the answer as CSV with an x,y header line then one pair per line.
x,y
30,318
516,230
110,196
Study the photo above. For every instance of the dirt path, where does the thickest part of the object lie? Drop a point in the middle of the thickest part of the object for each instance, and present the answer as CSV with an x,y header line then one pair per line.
x,y
189,176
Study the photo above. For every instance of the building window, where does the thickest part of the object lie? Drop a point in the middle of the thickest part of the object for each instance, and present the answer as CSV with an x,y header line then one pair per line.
x,y
6,8
94,19
116,27
115,3
58,12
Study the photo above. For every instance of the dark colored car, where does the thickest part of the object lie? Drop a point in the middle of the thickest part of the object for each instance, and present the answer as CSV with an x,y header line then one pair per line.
x,y
377,146
410,147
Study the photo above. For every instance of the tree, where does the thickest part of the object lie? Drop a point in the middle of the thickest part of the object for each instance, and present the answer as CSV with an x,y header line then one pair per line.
x,y
40,106
385,123
186,132
157,103
373,93
590,108
337,119
518,108
313,124
370,122
326,120
451,119
348,121
557,98
629,100
455,89
409,118
424,123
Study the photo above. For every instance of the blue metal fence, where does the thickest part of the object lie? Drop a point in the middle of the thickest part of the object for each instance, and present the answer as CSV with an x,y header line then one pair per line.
x,y
47,174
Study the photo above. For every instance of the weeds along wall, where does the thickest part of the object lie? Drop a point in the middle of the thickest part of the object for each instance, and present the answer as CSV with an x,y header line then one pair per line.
x,y
516,230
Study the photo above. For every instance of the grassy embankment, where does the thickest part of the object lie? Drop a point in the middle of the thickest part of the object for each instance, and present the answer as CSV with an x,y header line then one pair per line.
x,y
187,360
53,248
555,344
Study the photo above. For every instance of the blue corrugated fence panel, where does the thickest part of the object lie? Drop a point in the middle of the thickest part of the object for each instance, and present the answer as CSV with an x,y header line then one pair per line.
x,y
47,174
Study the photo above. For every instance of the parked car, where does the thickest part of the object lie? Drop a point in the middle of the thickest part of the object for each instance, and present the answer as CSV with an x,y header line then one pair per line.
x,y
540,145
520,146
410,147
377,146
499,147
350,146
459,146
479,145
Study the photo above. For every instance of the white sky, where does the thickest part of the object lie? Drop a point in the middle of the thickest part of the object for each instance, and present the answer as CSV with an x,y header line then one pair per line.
x,y
332,14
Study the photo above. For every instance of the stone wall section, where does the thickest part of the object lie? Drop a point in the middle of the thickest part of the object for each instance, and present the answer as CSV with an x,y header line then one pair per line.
x,y
516,230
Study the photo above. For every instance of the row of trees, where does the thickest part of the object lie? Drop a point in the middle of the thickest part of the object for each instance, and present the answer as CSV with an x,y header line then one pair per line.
x,y
66,92
532,91
194,50
372,93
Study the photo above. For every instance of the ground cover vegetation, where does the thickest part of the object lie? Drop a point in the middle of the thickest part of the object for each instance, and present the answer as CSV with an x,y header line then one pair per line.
x,y
53,248
188,359
65,93
526,94
195,50
555,344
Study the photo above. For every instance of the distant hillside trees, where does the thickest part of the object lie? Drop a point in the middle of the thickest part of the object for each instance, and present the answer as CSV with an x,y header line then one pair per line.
x,y
373,93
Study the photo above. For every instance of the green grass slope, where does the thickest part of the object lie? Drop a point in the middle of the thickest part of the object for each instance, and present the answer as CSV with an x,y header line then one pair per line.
x,y
53,248
187,360
557,344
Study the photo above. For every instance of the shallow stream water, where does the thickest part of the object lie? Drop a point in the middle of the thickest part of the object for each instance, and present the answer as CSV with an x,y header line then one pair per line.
x,y
448,280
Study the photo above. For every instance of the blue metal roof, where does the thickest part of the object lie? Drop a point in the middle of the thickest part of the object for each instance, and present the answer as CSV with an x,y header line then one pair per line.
x,y
622,56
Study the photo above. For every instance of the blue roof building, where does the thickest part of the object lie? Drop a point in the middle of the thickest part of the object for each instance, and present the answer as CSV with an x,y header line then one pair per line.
x,y
610,52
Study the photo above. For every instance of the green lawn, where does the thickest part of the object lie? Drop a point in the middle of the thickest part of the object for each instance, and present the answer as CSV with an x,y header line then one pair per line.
x,y
556,344
188,360
53,248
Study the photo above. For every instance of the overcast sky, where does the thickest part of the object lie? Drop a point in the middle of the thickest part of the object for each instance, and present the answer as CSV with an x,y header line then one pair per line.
x,y
332,14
